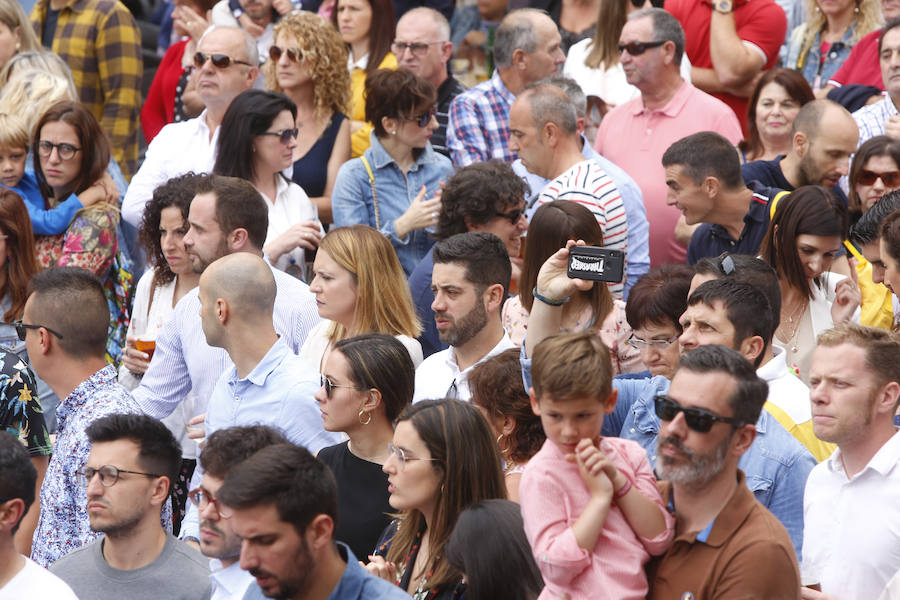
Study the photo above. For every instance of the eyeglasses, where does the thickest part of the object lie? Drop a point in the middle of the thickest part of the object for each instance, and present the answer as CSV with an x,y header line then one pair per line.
x,y
65,151
219,61
416,48
402,457
201,498
21,329
638,48
513,215
109,475
293,54
424,119
639,344
285,136
889,178
696,418
329,386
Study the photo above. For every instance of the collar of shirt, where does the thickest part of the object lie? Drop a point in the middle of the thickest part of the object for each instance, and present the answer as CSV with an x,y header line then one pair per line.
x,y
274,357
381,158
775,368
450,358
729,519
500,88
884,461
232,580
673,106
353,579
83,392
759,207
73,5
361,63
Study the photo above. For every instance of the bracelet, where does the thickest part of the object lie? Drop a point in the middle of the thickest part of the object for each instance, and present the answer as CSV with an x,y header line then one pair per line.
x,y
547,301
620,493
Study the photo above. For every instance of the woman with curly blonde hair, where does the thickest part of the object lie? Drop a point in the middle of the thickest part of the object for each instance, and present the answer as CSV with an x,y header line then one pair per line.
x,y
309,66
818,47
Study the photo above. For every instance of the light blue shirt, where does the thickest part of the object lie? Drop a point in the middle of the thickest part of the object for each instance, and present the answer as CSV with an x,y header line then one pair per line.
x,y
638,227
352,201
356,583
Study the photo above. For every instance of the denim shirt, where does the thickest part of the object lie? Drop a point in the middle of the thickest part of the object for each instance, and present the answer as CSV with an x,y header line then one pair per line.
x,y
776,464
837,54
352,202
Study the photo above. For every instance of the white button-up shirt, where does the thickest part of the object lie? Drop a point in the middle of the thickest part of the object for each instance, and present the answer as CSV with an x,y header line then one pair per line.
x,y
440,371
228,583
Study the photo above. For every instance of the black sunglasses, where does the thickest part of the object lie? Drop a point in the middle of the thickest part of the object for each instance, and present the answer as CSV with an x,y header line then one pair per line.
x,y
696,418
219,61
638,48
424,119
293,54
22,328
284,136
513,215
330,386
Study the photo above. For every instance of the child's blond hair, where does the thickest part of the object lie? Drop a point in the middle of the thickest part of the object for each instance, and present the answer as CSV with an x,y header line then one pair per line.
x,y
571,366
13,132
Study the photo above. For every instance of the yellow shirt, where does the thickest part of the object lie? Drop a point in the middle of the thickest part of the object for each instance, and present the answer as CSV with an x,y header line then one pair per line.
x,y
877,305
359,141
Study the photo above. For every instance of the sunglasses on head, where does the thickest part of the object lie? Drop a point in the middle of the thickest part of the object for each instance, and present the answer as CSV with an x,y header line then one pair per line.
x,y
219,61
696,418
425,118
638,48
293,54
284,136
889,178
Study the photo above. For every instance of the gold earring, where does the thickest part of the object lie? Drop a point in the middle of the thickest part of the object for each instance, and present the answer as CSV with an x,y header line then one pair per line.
x,y
360,417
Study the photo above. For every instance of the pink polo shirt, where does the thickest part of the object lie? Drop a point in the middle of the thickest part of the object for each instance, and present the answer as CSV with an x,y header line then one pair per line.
x,y
635,139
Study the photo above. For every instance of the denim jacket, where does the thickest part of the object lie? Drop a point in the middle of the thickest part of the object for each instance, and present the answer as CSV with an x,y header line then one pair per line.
x,y
776,464
352,202
837,54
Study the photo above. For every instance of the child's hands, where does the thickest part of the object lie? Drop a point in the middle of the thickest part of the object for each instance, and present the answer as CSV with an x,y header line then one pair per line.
x,y
596,470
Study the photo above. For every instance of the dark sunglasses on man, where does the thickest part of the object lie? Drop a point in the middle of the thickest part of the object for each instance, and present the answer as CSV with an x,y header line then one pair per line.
x,y
697,419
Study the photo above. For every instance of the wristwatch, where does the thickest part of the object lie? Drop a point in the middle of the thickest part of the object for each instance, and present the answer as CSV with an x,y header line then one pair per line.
x,y
724,6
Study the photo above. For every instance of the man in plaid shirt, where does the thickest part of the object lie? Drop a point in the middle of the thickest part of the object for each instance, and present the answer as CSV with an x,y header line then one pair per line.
x,y
101,43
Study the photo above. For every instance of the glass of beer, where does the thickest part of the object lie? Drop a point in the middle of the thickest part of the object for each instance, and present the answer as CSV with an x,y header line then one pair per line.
x,y
146,343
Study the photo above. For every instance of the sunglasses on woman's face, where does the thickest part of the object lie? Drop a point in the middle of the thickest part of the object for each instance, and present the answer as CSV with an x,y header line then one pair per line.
x,y
293,54
424,119
284,136
889,178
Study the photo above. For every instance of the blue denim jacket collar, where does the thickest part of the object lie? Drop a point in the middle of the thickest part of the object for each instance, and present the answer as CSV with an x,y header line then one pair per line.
x,y
380,157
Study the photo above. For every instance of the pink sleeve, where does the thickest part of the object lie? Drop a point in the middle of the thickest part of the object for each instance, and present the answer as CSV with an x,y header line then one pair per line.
x,y
558,555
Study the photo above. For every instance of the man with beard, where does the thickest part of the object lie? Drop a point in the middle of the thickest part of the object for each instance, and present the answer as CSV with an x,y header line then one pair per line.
x,y
470,282
283,504
823,138
726,543
224,450
851,548
127,478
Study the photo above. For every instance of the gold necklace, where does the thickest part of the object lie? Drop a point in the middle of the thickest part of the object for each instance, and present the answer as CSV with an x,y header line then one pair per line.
x,y
793,330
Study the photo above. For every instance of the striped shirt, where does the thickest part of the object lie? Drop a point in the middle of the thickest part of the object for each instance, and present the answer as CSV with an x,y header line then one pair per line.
x,y
586,183
871,119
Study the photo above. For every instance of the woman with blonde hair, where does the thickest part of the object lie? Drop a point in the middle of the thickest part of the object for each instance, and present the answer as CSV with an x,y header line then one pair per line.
x,y
360,288
31,91
309,65
16,33
818,47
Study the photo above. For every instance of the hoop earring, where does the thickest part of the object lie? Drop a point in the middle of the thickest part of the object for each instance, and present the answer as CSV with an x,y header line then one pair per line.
x,y
508,448
360,417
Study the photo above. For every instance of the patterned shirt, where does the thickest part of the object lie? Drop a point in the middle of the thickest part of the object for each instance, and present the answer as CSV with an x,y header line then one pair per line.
x,y
586,183
20,410
63,525
871,119
101,43
479,123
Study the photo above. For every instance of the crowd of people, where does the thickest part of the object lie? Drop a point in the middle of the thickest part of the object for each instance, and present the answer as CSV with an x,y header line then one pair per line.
x,y
308,310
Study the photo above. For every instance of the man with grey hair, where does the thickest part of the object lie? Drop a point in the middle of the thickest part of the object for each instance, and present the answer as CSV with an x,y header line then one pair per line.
x,y
225,65
543,129
669,108
422,46
638,227
526,50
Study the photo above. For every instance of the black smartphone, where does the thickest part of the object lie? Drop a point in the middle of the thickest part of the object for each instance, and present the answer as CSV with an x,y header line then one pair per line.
x,y
596,264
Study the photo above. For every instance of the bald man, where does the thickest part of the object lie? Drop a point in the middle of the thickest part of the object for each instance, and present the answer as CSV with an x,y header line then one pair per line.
x,y
824,137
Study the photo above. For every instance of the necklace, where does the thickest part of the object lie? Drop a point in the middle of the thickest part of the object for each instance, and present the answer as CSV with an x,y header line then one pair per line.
x,y
791,326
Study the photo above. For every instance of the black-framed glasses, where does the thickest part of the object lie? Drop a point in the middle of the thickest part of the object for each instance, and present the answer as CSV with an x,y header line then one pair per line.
x,y
284,136
638,48
425,118
202,498
889,178
696,418
513,215
293,54
403,457
330,385
64,150
640,343
219,61
416,48
109,475
22,329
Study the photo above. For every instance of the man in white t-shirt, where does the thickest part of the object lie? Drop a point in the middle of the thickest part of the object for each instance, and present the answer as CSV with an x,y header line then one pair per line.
x,y
21,577
470,282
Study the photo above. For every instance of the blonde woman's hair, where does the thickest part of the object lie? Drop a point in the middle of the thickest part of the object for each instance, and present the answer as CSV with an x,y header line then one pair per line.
x,y
12,15
31,92
383,301
13,132
867,20
40,60
324,55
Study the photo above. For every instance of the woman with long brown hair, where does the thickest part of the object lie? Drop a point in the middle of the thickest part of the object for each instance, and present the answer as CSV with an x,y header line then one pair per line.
x,y
17,263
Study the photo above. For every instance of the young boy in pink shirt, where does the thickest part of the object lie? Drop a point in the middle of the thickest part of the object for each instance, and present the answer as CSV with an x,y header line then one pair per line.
x,y
593,514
